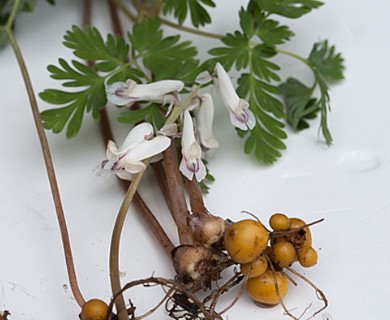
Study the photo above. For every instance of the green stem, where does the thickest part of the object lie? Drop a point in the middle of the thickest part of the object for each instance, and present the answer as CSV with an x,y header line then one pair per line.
x,y
115,240
177,110
197,32
12,15
48,162
293,55
168,23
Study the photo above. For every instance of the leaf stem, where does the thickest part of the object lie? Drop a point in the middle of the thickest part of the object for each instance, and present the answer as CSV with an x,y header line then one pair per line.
x,y
12,15
48,161
293,55
194,31
171,24
177,110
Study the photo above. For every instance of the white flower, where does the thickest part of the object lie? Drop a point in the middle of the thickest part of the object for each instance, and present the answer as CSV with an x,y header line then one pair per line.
x,y
164,91
205,118
138,146
240,115
191,163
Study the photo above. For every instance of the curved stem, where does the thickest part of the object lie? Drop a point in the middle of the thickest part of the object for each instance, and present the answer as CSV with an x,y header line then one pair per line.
x,y
293,55
49,168
194,31
115,241
12,15
177,110
171,24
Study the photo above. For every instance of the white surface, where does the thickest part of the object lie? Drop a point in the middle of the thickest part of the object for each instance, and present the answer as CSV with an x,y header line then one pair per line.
x,y
346,184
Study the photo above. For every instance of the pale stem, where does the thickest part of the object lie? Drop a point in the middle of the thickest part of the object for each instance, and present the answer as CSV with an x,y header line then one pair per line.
x,y
115,240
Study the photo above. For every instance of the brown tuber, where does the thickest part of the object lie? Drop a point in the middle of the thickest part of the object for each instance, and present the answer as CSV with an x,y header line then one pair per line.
x,y
94,309
245,240
195,263
255,268
207,230
262,289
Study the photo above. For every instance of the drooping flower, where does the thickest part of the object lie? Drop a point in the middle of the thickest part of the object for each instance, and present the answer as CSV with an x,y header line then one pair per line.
x,y
191,163
124,93
139,145
240,115
205,118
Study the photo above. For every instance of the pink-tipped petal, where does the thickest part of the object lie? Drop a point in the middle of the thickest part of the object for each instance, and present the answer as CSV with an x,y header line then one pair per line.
x,y
251,119
117,93
201,173
183,167
237,122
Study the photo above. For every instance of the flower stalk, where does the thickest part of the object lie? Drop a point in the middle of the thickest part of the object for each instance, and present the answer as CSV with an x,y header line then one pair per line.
x,y
176,193
47,158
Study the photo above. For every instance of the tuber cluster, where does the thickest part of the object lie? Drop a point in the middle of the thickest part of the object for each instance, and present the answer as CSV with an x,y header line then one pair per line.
x,y
262,254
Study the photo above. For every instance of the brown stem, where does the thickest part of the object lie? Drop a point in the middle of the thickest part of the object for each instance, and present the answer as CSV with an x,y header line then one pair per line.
x,y
116,25
159,173
176,194
50,172
105,129
196,196
87,13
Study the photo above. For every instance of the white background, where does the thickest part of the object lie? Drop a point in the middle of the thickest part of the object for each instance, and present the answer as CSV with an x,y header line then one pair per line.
x,y
346,184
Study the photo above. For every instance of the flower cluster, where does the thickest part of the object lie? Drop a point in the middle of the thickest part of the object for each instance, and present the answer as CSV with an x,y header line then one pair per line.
x,y
141,144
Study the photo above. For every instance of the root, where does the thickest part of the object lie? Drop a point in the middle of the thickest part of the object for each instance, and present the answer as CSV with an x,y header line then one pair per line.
x,y
181,303
276,234
320,294
287,312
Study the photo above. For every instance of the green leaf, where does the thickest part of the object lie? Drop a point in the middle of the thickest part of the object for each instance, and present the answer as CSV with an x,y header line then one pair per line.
x,y
93,98
326,62
180,9
289,8
209,179
300,106
272,33
165,57
151,114
265,140
254,21
88,94
88,44
235,51
328,66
